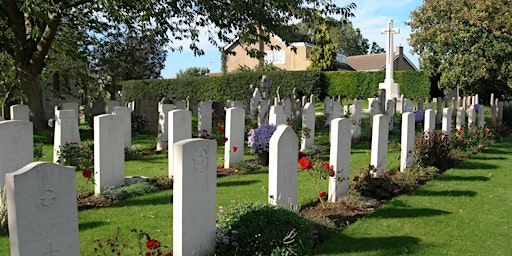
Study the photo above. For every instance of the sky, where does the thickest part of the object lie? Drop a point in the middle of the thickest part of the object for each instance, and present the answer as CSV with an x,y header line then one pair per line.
x,y
371,16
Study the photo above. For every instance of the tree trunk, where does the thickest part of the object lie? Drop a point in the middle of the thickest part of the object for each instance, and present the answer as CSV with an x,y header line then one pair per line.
x,y
32,89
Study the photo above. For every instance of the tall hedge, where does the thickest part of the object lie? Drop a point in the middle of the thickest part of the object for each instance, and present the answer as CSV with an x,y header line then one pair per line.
x,y
235,86
362,85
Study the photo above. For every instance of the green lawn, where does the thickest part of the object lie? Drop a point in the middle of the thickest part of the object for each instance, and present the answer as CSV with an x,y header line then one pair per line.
x,y
465,211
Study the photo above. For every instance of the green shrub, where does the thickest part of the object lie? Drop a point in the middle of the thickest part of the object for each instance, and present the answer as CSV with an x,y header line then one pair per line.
x,y
80,155
263,229
433,149
128,191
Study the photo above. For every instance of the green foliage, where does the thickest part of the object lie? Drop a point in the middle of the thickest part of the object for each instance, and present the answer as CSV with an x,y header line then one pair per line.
x,y
244,230
362,85
382,187
228,87
80,155
3,211
128,191
466,44
193,72
323,53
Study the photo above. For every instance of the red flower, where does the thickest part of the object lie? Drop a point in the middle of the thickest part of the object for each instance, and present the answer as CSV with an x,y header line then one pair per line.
x,y
293,126
322,194
463,142
325,165
331,172
220,167
148,253
221,128
234,148
118,253
153,244
168,254
224,140
87,173
304,163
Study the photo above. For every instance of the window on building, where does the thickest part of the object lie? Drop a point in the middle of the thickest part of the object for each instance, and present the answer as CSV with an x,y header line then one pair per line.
x,y
275,57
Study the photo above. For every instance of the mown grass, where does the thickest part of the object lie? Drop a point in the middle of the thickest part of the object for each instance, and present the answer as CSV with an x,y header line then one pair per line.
x,y
464,211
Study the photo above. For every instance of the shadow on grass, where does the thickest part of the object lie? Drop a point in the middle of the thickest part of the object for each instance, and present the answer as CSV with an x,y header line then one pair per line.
x,y
406,213
444,193
154,199
392,245
446,177
236,183
90,225
476,165
484,157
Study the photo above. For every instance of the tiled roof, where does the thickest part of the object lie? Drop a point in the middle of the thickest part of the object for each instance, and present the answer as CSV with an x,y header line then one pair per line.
x,y
368,62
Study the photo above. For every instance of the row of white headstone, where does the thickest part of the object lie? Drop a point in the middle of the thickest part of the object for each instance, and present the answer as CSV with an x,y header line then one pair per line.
x,y
41,204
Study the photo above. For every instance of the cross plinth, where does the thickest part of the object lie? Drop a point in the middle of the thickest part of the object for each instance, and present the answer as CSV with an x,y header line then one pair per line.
x,y
392,88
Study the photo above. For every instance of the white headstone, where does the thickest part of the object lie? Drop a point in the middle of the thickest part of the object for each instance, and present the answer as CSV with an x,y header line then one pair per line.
x,y
408,106
72,106
65,131
481,116
262,112
446,125
253,104
180,128
430,121
42,209
392,88
111,104
407,141
335,110
163,111
356,118
235,131
500,113
181,104
282,168
287,109
20,112
194,198
471,117
108,152
308,122
379,148
327,107
374,110
126,124
276,115
390,112
204,118
16,146
339,157
460,120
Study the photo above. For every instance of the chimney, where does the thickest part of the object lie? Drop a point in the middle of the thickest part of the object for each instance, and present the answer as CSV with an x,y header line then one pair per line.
x,y
399,50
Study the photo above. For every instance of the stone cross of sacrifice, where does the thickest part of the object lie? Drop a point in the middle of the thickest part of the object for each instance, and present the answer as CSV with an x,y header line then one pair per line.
x,y
389,53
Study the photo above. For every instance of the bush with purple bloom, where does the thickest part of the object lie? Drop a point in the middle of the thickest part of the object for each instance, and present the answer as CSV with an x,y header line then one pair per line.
x,y
259,138
419,116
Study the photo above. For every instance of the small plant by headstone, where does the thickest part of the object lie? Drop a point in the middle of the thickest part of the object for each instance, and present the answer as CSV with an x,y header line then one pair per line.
x,y
244,230
139,122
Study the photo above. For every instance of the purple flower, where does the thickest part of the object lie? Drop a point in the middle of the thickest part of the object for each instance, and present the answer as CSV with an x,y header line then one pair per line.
x,y
259,138
419,116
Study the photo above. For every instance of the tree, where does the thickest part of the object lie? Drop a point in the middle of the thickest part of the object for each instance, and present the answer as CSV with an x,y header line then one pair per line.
x,y
29,28
465,44
193,72
323,53
348,40
376,48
